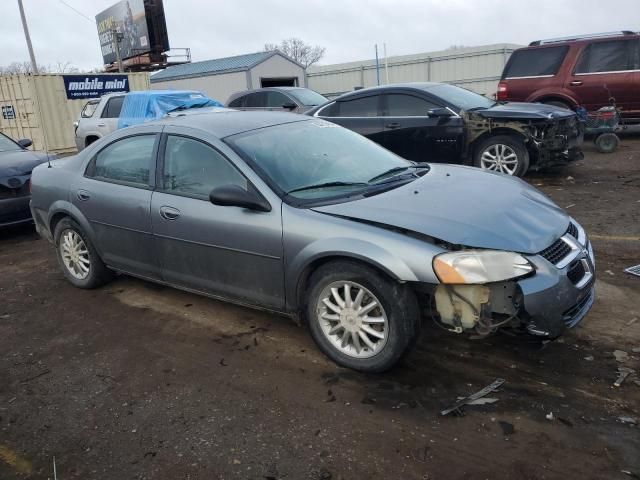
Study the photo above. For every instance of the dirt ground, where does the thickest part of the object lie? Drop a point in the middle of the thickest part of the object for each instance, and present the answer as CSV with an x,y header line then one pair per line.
x,y
139,381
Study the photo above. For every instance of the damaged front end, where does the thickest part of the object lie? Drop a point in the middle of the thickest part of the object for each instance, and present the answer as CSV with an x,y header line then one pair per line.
x,y
550,139
555,293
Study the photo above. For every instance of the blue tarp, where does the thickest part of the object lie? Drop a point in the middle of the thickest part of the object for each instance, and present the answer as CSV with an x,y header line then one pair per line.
x,y
139,107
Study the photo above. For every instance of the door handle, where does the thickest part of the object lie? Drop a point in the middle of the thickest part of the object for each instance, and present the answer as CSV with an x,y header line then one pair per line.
x,y
101,124
392,125
169,213
83,195
576,83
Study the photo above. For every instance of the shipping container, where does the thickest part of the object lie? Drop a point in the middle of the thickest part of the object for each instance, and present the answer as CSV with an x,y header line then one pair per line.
x,y
474,68
37,107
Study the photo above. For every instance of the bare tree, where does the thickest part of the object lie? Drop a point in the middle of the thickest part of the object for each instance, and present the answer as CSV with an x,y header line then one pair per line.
x,y
65,67
298,50
21,68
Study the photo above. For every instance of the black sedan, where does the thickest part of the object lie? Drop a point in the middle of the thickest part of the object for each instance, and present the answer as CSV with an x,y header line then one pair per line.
x,y
16,163
438,122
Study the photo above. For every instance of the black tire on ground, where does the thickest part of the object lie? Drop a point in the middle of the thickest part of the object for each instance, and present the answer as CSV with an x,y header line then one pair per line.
x,y
98,273
607,142
512,142
398,301
558,103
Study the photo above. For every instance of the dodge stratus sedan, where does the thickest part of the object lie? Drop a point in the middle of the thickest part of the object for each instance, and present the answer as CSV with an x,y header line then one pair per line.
x,y
297,215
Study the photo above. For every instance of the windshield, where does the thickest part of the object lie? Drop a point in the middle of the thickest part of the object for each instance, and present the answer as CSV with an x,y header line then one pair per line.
x,y
315,159
460,97
8,145
307,97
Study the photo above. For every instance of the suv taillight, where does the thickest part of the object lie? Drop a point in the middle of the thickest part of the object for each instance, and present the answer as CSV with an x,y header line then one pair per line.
x,y
503,91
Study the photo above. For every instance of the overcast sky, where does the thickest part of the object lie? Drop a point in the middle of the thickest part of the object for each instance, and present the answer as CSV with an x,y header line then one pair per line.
x,y
347,28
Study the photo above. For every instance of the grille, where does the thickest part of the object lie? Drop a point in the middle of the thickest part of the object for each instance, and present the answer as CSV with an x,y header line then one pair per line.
x,y
556,252
576,272
573,230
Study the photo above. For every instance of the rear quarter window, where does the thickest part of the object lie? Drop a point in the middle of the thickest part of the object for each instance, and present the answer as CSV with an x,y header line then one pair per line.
x,y
611,56
535,62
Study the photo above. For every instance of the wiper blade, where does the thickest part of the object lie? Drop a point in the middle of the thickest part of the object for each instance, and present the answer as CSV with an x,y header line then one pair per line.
x,y
327,185
396,170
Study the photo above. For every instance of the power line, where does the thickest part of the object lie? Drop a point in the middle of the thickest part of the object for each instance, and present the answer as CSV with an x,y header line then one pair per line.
x,y
76,10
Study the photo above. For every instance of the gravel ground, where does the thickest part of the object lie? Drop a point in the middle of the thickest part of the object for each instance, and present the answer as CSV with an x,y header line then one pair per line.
x,y
139,381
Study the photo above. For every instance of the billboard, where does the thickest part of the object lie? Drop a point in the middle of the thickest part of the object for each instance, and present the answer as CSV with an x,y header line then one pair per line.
x,y
94,86
127,17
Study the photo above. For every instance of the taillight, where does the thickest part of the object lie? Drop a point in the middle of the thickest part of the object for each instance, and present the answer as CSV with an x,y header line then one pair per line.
x,y
503,91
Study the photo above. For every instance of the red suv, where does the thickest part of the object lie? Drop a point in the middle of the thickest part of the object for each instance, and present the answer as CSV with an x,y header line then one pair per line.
x,y
591,71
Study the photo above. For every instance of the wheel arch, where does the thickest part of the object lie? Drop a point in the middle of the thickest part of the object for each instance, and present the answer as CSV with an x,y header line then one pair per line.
x,y
494,132
62,209
369,255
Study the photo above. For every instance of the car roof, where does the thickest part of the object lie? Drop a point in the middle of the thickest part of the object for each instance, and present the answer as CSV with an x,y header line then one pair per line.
x,y
421,86
224,122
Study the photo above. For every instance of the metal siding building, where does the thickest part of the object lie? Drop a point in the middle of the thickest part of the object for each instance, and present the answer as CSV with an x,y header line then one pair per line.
x,y
475,68
42,111
221,77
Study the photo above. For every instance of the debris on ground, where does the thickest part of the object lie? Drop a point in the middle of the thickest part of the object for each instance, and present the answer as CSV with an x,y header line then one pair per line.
x,y
507,428
623,373
549,416
621,355
475,396
634,270
589,358
631,420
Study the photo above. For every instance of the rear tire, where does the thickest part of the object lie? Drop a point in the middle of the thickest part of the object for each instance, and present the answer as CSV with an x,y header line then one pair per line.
x,y
78,258
349,328
607,142
503,153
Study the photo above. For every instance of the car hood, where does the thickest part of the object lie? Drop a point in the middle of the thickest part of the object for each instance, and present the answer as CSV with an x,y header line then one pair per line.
x,y
465,206
20,162
524,111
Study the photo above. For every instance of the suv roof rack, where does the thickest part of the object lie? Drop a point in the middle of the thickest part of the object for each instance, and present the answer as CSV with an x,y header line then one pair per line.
x,y
582,37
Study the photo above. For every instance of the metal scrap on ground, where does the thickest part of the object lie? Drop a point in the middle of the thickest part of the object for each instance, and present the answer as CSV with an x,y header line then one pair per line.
x,y
635,270
475,396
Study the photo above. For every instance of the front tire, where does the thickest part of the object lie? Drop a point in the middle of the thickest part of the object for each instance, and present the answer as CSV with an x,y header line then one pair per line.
x,y
78,258
502,153
360,318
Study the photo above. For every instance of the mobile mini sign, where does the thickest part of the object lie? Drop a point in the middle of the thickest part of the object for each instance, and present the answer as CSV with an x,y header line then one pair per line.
x,y
94,86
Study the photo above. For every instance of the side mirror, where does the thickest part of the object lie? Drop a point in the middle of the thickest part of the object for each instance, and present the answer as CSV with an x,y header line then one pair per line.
x,y
289,106
439,112
25,142
235,196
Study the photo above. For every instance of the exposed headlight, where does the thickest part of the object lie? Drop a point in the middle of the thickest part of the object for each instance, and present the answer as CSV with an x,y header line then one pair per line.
x,y
480,266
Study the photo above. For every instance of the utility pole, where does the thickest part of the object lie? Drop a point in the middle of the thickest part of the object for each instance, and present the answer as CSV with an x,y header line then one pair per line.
x,y
116,38
34,65
386,63
377,67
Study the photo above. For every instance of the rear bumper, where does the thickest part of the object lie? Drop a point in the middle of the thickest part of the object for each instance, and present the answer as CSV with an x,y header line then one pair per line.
x,y
14,211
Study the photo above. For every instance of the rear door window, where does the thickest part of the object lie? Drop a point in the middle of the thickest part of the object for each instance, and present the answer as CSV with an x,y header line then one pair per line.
x,y
113,107
127,160
360,107
399,105
535,62
256,100
611,56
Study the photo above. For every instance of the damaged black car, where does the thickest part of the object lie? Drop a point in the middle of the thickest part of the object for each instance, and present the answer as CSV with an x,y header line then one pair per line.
x,y
438,122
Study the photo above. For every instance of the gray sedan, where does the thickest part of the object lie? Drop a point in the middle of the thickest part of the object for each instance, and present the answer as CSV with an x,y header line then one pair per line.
x,y
300,216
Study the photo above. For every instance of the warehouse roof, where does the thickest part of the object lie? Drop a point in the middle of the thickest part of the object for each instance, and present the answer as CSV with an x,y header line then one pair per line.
x,y
215,66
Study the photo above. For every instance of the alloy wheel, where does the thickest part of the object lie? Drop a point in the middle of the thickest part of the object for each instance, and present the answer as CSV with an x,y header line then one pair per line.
x,y
75,254
352,319
499,158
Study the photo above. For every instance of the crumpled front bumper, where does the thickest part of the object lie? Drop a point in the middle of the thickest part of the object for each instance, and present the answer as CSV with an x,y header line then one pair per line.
x,y
559,295
559,145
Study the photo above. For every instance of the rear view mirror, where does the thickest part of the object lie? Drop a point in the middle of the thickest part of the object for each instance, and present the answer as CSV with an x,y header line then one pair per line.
x,y
289,106
439,112
235,196
25,142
